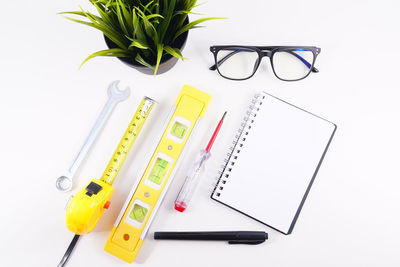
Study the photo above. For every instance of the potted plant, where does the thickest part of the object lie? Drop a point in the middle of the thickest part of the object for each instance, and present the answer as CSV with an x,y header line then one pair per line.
x,y
146,35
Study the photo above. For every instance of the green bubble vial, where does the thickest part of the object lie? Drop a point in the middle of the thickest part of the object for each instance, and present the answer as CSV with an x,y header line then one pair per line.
x,y
138,213
179,130
159,171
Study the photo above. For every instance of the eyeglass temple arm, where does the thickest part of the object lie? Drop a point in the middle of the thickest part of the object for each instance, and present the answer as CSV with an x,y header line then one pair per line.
x,y
314,69
214,67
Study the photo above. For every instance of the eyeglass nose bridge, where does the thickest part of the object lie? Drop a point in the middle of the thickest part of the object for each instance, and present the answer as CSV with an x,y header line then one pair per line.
x,y
262,54
266,53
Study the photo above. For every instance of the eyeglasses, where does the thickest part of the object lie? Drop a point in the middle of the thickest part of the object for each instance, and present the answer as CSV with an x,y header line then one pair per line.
x,y
289,63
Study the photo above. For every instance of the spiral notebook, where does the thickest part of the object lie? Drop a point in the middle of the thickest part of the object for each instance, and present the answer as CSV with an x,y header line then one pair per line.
x,y
273,163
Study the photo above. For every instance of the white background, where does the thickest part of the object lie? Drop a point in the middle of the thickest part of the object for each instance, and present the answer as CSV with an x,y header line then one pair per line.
x,y
47,106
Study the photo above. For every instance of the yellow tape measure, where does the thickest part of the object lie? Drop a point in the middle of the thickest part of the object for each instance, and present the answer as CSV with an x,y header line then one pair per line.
x,y
87,206
146,196
127,141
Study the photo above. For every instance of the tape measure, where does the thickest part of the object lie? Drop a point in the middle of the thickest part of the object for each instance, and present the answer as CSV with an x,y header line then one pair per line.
x,y
146,196
87,206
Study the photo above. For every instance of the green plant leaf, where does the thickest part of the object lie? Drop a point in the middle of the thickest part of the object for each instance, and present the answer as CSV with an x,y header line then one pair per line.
x,y
159,56
79,13
165,23
101,2
137,43
174,52
121,19
194,4
106,18
185,12
146,7
108,4
148,27
137,29
187,4
157,7
114,52
154,16
91,16
192,24
113,36
127,16
140,60
164,9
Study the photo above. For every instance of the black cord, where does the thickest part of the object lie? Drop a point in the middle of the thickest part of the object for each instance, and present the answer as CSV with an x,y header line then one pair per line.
x,y
69,251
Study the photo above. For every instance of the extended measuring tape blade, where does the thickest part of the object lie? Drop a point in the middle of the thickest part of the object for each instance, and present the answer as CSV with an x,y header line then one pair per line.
x,y
142,203
127,140
87,206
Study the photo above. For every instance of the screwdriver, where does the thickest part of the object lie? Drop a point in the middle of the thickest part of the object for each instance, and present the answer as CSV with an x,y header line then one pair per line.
x,y
193,177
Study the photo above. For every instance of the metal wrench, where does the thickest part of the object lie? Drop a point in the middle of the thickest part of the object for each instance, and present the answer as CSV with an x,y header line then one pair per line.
x,y
64,182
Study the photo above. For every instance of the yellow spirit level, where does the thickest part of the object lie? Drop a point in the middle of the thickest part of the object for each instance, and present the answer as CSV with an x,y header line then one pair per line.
x,y
146,196
87,206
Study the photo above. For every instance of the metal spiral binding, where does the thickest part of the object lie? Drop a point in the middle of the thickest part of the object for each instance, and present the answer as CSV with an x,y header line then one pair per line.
x,y
238,143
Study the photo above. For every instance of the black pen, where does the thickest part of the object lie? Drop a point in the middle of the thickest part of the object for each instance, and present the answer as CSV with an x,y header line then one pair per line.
x,y
233,237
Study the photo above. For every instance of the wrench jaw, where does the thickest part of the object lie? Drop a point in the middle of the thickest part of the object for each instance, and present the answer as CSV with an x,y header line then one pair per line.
x,y
117,94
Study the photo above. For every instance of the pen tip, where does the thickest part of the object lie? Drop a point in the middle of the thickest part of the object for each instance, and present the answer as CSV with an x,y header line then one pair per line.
x,y
223,116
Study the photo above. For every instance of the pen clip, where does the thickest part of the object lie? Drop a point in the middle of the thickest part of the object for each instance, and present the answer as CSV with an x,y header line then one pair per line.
x,y
246,242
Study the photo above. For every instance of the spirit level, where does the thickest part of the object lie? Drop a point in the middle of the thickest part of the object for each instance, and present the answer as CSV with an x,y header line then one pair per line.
x,y
87,206
146,196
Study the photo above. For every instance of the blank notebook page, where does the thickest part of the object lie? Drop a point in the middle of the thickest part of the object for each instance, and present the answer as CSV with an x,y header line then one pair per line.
x,y
276,164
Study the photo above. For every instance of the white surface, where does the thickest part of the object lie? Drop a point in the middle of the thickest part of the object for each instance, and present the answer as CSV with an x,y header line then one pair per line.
x,y
278,155
47,106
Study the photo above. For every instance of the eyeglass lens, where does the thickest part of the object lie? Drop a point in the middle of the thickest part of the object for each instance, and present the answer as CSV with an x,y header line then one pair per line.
x,y
237,63
292,64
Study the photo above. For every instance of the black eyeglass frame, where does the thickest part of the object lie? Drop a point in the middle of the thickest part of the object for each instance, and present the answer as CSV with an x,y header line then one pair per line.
x,y
264,51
